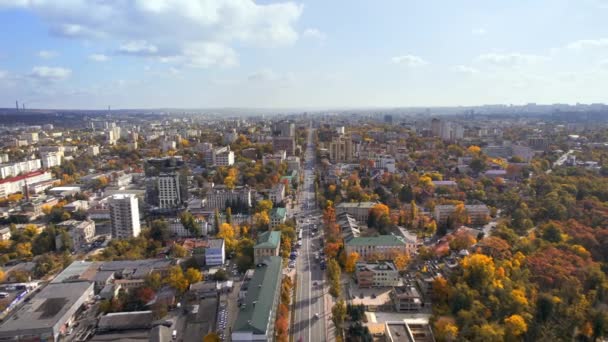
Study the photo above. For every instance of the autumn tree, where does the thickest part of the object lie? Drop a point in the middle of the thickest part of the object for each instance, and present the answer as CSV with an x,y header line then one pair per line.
x,y
515,325
479,271
231,179
351,262
446,329
212,337
193,275
338,313
401,260
176,279
227,233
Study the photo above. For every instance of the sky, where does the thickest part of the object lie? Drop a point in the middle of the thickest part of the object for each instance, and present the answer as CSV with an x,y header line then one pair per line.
x,y
90,54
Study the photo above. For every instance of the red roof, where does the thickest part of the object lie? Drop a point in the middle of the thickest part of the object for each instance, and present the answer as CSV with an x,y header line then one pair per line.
x,y
22,177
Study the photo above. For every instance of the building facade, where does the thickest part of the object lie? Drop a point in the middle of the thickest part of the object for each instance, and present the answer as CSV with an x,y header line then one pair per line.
x,y
124,216
382,247
377,274
268,244
215,253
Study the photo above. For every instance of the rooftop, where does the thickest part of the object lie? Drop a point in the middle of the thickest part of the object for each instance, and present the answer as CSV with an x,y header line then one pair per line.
x,y
269,239
215,243
356,205
254,313
46,309
380,240
278,212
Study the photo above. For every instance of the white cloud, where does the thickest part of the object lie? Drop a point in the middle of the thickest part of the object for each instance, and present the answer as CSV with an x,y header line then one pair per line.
x,y
509,59
465,69
3,74
313,33
98,57
268,75
588,43
204,55
47,54
138,47
409,60
478,31
167,28
46,73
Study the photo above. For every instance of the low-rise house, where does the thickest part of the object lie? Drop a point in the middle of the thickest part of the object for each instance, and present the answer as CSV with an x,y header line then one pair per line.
x,y
81,233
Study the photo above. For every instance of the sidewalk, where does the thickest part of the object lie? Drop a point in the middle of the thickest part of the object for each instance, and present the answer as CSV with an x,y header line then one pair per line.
x,y
330,330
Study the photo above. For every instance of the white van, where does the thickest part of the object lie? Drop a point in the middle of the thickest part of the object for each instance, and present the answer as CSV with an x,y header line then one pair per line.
x,y
174,334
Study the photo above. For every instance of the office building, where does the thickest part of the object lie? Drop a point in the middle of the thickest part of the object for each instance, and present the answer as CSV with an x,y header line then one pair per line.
x,y
124,216
220,197
287,144
358,210
376,247
225,158
257,314
278,216
341,149
478,213
377,274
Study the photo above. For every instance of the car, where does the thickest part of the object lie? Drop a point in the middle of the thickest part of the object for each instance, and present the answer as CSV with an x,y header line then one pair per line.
x,y
317,315
314,283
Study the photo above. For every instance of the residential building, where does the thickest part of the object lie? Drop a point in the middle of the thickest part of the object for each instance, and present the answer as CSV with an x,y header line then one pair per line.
x,y
51,159
17,184
410,331
169,194
360,210
17,168
287,144
215,253
220,197
477,213
256,315
377,274
376,247
386,162
48,314
284,129
341,149
124,216
81,232
93,150
268,244
177,228
5,234
277,193
225,158
348,226
293,163
277,216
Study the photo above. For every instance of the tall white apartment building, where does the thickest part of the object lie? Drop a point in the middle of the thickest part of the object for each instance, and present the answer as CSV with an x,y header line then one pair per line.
x,y
168,190
50,159
14,169
124,216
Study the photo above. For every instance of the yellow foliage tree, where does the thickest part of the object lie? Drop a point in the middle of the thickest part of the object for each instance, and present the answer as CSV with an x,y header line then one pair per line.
x,y
446,329
193,275
261,220
2,276
474,150
351,262
227,233
15,197
231,179
401,261
479,270
176,279
516,325
211,337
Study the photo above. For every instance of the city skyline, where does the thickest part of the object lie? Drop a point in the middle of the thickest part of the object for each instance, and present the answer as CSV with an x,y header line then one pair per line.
x,y
205,54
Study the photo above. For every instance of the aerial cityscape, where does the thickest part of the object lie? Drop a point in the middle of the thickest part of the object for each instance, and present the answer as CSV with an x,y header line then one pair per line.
x,y
239,170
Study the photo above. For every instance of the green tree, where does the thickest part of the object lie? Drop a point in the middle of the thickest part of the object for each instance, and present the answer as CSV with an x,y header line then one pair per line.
x,y
189,223
159,230
338,313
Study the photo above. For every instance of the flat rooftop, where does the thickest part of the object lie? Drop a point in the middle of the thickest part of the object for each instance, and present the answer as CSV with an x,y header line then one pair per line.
x,y
46,308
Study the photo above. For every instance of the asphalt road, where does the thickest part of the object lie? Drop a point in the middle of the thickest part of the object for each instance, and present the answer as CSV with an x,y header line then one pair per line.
x,y
310,315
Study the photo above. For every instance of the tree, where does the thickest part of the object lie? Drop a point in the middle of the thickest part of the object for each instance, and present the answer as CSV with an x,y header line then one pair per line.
x,y
515,325
144,294
231,179
153,280
211,337
459,217
2,275
220,275
446,329
193,275
177,251
401,261
474,150
263,206
227,233
216,219
229,215
338,313
479,271
176,279
351,262
189,222
261,220
159,230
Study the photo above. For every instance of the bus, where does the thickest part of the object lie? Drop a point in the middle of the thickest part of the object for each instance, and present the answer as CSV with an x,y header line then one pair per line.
x,y
300,235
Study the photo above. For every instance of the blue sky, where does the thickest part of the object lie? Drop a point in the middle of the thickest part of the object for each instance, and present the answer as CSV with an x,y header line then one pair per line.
x,y
243,53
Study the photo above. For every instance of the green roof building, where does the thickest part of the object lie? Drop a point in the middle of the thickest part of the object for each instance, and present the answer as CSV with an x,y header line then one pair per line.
x,y
269,244
376,247
256,316
277,216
